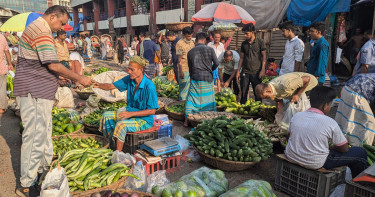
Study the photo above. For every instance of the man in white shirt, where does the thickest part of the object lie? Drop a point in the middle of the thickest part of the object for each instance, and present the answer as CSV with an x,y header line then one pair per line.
x,y
294,48
228,68
310,135
219,49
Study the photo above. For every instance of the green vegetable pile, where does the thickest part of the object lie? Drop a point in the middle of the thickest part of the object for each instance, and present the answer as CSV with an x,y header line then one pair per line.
x,y
251,188
94,117
222,99
111,106
166,88
91,168
231,139
370,153
65,144
178,108
267,79
62,124
102,70
202,182
166,69
10,82
250,108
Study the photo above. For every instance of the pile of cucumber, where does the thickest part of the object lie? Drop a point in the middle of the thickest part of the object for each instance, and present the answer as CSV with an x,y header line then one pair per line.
x,y
231,139
370,153
91,168
66,143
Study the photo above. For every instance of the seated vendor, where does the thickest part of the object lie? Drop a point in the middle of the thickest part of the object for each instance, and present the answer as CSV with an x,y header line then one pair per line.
x,y
142,102
289,86
310,135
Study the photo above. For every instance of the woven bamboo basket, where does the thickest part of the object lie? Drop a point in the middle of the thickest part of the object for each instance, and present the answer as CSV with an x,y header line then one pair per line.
x,y
121,191
84,95
220,108
79,131
173,115
178,26
223,164
114,186
226,33
160,110
93,129
249,117
193,122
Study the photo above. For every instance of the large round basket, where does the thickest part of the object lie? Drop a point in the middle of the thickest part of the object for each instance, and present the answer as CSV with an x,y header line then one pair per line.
x,y
84,95
113,186
93,129
220,108
121,191
193,122
224,164
173,115
160,110
249,117
178,26
79,131
226,33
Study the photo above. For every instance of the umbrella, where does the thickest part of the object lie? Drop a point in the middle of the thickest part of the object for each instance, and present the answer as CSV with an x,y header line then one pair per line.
x,y
68,27
223,12
18,22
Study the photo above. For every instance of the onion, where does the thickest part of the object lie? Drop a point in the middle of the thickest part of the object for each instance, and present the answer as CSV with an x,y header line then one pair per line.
x,y
96,194
108,193
124,195
116,195
134,195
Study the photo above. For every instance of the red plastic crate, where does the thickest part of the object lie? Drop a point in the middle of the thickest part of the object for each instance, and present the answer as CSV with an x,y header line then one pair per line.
x,y
169,164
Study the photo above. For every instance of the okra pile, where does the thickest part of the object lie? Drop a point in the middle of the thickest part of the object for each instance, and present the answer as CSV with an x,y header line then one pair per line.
x,y
64,144
231,139
94,117
91,168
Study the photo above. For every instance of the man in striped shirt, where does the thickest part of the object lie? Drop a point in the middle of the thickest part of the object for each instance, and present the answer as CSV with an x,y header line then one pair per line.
x,y
36,83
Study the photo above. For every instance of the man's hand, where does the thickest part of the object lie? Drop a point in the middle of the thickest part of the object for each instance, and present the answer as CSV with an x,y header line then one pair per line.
x,y
262,73
295,98
238,76
124,115
226,84
10,67
85,81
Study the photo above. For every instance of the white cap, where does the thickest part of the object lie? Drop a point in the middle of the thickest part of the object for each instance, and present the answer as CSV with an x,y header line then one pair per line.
x,y
15,49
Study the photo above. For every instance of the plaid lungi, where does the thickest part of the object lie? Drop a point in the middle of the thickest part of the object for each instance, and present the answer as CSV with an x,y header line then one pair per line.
x,y
150,71
111,128
184,85
201,97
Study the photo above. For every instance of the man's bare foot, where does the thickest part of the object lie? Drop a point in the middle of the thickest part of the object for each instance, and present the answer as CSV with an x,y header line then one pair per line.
x,y
186,123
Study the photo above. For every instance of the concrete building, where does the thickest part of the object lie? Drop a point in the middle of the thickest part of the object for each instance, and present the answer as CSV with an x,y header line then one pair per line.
x,y
65,3
25,5
133,16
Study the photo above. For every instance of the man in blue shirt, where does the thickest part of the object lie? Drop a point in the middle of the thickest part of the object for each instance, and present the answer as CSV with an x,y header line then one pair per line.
x,y
148,50
173,39
319,54
142,102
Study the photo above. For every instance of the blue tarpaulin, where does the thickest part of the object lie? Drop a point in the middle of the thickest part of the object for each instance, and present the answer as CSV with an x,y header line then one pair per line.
x,y
305,12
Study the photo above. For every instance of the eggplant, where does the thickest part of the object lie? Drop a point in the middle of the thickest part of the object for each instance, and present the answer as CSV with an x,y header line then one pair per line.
x,y
124,195
96,194
116,195
108,193
134,195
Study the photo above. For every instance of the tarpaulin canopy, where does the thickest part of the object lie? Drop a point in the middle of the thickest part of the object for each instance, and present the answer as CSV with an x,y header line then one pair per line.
x,y
305,12
267,14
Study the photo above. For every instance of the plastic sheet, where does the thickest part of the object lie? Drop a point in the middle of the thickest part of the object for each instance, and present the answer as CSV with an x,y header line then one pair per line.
x,y
157,178
251,188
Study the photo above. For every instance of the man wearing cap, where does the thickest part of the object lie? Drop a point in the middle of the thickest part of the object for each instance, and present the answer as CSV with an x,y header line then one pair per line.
x,y
142,104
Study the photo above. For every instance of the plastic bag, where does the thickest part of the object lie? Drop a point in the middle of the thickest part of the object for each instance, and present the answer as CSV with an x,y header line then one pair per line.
x,y
184,143
194,156
137,184
91,105
64,98
339,191
283,117
226,90
55,184
124,158
251,188
157,178
122,109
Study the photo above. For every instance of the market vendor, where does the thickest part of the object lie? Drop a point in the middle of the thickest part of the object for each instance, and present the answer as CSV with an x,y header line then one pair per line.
x,y
310,135
355,113
288,86
142,102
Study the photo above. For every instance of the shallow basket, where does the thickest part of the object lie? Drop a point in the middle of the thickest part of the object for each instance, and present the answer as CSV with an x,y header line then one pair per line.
x,y
114,186
84,95
226,33
79,131
223,164
248,117
193,122
178,26
93,129
220,108
140,194
160,110
173,115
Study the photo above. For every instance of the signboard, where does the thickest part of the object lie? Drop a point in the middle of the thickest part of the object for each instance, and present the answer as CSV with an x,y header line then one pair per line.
x,y
191,9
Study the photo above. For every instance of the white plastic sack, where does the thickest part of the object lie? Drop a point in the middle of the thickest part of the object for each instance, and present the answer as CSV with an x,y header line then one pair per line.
x,y
283,117
109,77
55,184
157,178
64,98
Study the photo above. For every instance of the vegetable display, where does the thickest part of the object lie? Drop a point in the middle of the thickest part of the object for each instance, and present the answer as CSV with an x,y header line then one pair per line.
x,y
10,82
231,139
177,108
166,88
94,117
267,79
370,153
209,115
166,69
112,106
102,70
257,188
202,182
91,168
222,99
65,144
273,131
62,123
111,193
250,108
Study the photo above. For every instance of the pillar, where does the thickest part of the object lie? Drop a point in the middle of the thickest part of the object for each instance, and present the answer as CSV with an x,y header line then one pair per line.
x,y
111,13
186,5
75,16
198,6
85,12
154,7
129,13
96,16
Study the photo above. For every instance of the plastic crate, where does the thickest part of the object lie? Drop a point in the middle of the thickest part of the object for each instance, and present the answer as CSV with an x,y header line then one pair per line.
x,y
165,131
133,141
169,164
298,181
353,189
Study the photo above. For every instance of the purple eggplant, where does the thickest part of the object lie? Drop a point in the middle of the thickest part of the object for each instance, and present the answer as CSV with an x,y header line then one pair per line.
x,y
108,193
96,194
124,195
116,195
134,195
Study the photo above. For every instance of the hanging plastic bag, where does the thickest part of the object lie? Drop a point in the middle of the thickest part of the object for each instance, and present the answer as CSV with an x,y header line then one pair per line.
x,y
124,158
184,143
157,178
55,183
137,184
283,117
